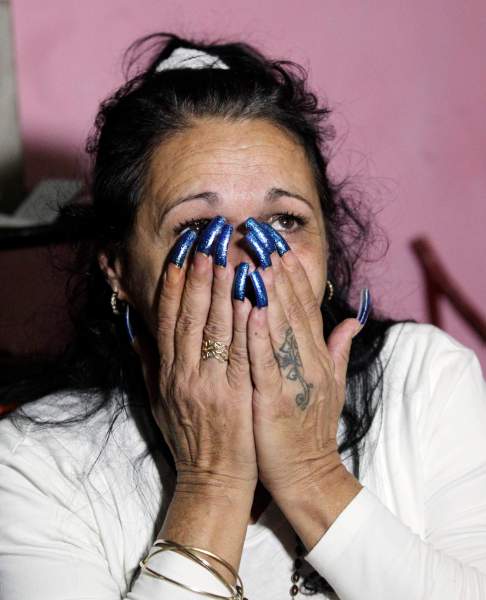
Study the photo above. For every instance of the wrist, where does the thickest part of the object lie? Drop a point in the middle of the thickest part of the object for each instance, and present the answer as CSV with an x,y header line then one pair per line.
x,y
308,477
214,486
198,508
312,510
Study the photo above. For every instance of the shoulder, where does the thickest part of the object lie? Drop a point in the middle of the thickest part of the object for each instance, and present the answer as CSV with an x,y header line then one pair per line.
x,y
62,431
416,347
424,365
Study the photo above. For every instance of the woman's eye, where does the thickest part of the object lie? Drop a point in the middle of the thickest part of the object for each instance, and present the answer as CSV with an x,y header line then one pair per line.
x,y
196,224
288,222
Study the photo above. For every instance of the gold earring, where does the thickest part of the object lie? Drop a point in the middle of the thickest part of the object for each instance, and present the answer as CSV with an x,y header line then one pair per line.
x,y
114,303
330,287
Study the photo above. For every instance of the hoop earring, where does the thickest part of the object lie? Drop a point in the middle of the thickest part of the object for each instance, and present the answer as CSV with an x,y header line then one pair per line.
x,y
128,324
114,303
330,287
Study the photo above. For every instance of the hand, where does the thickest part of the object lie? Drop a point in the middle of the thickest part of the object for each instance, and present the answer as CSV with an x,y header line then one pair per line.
x,y
299,381
202,407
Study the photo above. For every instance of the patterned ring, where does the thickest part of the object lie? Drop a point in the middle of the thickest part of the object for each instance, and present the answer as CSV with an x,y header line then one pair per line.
x,y
214,349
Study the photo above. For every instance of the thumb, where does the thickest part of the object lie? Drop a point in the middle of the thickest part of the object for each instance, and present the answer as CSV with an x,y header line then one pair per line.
x,y
339,347
339,343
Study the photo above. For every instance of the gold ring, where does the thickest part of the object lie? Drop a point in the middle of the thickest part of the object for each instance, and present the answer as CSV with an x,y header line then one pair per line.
x,y
214,349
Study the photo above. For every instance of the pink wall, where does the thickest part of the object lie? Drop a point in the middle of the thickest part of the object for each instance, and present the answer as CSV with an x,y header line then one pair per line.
x,y
406,79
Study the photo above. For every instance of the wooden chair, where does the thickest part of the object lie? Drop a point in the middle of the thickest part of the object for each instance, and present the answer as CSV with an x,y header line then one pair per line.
x,y
439,283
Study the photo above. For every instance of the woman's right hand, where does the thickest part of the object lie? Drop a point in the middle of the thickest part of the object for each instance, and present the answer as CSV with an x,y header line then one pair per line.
x,y
202,407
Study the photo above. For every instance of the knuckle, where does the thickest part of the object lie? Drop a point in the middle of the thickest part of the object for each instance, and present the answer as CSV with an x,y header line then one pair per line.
x,y
164,368
268,362
311,306
295,311
238,354
165,324
239,329
292,267
282,327
216,331
180,384
186,323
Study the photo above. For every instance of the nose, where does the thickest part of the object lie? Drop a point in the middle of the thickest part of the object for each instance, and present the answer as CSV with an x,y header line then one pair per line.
x,y
239,250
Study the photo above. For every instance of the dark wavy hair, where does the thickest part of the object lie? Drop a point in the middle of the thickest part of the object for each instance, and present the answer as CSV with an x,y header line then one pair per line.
x,y
149,108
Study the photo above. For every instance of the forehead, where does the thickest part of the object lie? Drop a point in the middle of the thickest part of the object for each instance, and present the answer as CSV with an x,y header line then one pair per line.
x,y
235,155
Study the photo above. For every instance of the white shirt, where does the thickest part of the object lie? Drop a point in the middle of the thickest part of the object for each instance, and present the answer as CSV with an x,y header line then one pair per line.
x,y
416,530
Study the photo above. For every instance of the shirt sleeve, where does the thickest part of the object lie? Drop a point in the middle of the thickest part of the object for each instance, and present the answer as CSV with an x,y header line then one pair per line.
x,y
369,554
48,551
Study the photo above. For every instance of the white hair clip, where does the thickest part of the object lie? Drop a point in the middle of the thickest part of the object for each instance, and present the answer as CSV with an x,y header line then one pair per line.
x,y
190,58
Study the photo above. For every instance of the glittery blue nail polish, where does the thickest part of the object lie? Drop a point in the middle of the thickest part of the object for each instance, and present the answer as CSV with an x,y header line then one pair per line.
x,y
221,248
262,236
209,234
182,246
259,287
260,250
364,306
128,325
280,242
241,274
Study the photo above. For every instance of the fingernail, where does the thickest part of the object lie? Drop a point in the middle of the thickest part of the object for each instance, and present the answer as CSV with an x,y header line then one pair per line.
x,y
221,249
209,234
260,250
259,287
280,242
241,274
128,325
264,238
182,246
364,308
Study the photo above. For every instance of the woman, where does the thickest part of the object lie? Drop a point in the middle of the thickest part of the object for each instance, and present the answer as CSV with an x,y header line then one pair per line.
x,y
221,395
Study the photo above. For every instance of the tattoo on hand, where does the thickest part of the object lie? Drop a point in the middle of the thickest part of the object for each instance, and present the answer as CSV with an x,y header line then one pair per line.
x,y
288,356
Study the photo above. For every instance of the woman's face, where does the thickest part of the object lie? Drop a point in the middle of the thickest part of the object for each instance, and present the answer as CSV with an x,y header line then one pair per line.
x,y
237,169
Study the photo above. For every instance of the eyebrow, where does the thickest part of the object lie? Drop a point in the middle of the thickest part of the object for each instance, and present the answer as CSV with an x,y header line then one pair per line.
x,y
212,198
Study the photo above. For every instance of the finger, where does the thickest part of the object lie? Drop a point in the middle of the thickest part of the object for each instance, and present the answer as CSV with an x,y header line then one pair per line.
x,y
295,313
219,326
265,372
299,278
195,303
279,327
339,346
238,360
171,288
196,300
340,340
304,292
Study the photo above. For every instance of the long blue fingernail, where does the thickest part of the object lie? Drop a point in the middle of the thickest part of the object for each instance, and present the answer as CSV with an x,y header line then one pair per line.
x,y
128,325
260,250
280,243
364,306
182,246
221,248
260,290
264,238
209,234
241,274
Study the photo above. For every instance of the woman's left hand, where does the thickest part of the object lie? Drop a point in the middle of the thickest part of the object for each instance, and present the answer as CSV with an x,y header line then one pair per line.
x,y
299,381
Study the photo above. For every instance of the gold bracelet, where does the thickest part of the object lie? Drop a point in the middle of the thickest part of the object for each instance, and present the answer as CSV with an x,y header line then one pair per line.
x,y
236,592
162,542
144,566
